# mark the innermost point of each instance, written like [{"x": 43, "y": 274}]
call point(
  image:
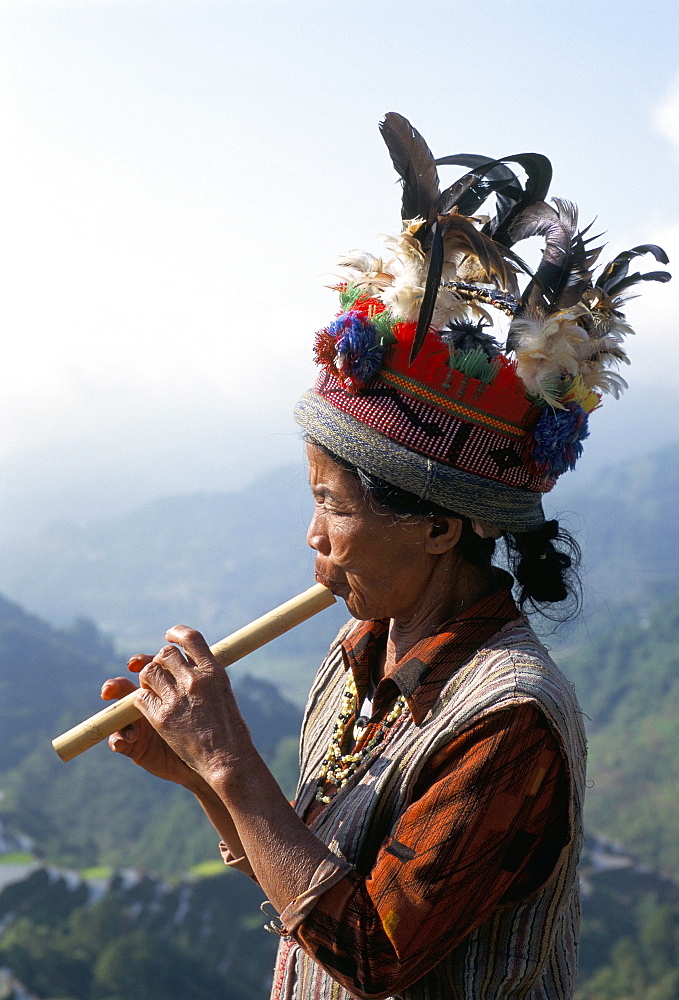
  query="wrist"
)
[
  {"x": 237, "y": 780},
  {"x": 194, "y": 783}
]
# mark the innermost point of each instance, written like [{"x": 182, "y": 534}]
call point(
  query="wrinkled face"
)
[{"x": 376, "y": 562}]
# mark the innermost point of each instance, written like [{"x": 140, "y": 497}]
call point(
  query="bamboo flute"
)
[{"x": 245, "y": 640}]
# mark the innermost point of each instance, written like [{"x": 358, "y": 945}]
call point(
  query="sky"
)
[{"x": 179, "y": 178}]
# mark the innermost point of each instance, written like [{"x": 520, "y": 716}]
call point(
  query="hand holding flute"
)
[
  {"x": 143, "y": 744},
  {"x": 189, "y": 721},
  {"x": 140, "y": 742},
  {"x": 239, "y": 644},
  {"x": 192, "y": 733}
]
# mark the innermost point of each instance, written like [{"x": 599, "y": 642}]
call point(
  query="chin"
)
[
  {"x": 362, "y": 612},
  {"x": 357, "y": 613}
]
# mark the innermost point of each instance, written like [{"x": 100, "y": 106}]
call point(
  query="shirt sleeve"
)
[{"x": 487, "y": 827}]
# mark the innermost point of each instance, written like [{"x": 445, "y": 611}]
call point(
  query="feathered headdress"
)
[{"x": 415, "y": 355}]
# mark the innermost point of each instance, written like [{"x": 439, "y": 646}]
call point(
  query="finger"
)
[
  {"x": 193, "y": 643},
  {"x": 157, "y": 676},
  {"x": 124, "y": 740},
  {"x": 150, "y": 703},
  {"x": 135, "y": 663},
  {"x": 116, "y": 687}
]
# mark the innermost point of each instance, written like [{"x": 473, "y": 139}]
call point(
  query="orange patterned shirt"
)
[{"x": 486, "y": 826}]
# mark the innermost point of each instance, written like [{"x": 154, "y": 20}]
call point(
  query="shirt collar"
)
[{"x": 422, "y": 672}]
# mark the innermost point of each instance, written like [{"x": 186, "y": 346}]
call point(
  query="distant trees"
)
[
  {"x": 72, "y": 962},
  {"x": 193, "y": 941},
  {"x": 643, "y": 966},
  {"x": 187, "y": 939},
  {"x": 627, "y": 680}
]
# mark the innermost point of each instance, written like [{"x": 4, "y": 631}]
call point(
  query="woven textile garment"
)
[{"x": 525, "y": 950}]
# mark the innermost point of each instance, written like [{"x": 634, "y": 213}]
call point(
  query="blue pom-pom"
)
[
  {"x": 558, "y": 437},
  {"x": 358, "y": 352}
]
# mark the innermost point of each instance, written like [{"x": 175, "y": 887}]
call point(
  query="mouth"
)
[{"x": 340, "y": 588}]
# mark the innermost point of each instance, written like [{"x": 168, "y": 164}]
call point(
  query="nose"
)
[{"x": 316, "y": 536}]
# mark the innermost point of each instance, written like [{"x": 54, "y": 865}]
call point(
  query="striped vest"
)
[{"x": 525, "y": 950}]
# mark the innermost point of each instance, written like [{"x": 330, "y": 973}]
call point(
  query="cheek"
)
[
  {"x": 372, "y": 572},
  {"x": 345, "y": 547}
]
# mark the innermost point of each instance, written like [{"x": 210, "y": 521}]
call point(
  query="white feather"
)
[{"x": 546, "y": 349}]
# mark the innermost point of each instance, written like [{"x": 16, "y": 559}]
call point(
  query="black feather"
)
[
  {"x": 487, "y": 176},
  {"x": 541, "y": 219},
  {"x": 632, "y": 279},
  {"x": 612, "y": 277},
  {"x": 565, "y": 270},
  {"x": 431, "y": 291},
  {"x": 538, "y": 178},
  {"x": 574, "y": 284},
  {"x": 468, "y": 193},
  {"x": 415, "y": 165}
]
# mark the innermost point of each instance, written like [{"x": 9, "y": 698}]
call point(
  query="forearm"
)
[
  {"x": 189, "y": 702},
  {"x": 285, "y": 856},
  {"x": 216, "y": 811}
]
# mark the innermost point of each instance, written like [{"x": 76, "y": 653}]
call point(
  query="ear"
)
[{"x": 443, "y": 534}]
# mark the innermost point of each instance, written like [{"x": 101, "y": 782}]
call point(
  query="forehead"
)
[{"x": 331, "y": 478}]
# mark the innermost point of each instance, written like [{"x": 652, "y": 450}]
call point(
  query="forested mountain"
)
[
  {"x": 99, "y": 808},
  {"x": 107, "y": 937},
  {"x": 133, "y": 936},
  {"x": 216, "y": 561},
  {"x": 627, "y": 680},
  {"x": 199, "y": 559},
  {"x": 191, "y": 930},
  {"x": 629, "y": 946},
  {"x": 625, "y": 518},
  {"x": 213, "y": 561}
]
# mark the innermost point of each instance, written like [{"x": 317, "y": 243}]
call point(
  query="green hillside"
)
[
  {"x": 625, "y": 520},
  {"x": 132, "y": 936},
  {"x": 627, "y": 680},
  {"x": 216, "y": 561},
  {"x": 114, "y": 939},
  {"x": 198, "y": 559},
  {"x": 135, "y": 937},
  {"x": 629, "y": 946},
  {"x": 100, "y": 808}
]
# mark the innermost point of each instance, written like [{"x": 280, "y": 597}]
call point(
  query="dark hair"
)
[{"x": 544, "y": 562}]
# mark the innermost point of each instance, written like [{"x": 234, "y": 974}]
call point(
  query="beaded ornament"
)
[{"x": 337, "y": 768}]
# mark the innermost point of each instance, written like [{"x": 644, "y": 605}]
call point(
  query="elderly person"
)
[{"x": 433, "y": 845}]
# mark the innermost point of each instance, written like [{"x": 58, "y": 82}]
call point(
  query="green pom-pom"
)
[
  {"x": 475, "y": 364},
  {"x": 383, "y": 323},
  {"x": 349, "y": 297}
]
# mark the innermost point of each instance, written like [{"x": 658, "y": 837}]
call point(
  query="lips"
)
[{"x": 340, "y": 588}]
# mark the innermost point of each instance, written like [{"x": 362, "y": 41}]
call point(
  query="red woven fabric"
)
[{"x": 460, "y": 435}]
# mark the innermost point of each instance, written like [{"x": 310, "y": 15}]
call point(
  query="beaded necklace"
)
[{"x": 337, "y": 767}]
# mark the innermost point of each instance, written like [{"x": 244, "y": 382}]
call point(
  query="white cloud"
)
[
  {"x": 651, "y": 315},
  {"x": 666, "y": 114},
  {"x": 650, "y": 309}
]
